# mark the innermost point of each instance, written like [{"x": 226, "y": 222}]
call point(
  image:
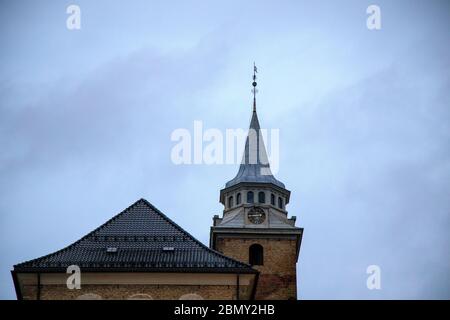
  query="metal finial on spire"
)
[{"x": 254, "y": 90}]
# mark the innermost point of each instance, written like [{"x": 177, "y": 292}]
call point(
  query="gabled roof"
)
[
  {"x": 140, "y": 238},
  {"x": 255, "y": 165}
]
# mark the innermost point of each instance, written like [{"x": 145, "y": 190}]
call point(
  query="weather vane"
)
[{"x": 254, "y": 90}]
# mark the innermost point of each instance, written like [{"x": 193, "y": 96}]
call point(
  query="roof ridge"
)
[{"x": 193, "y": 238}]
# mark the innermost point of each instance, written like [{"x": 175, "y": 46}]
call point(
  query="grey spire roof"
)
[
  {"x": 140, "y": 238},
  {"x": 255, "y": 165}
]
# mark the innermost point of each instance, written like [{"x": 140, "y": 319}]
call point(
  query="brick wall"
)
[
  {"x": 278, "y": 274},
  {"x": 120, "y": 292}
]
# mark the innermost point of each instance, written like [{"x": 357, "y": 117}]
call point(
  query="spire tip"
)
[{"x": 254, "y": 84}]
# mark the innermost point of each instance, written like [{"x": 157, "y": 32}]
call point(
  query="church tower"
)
[{"x": 255, "y": 227}]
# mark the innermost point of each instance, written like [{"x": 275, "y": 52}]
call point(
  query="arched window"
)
[
  {"x": 191, "y": 296},
  {"x": 140, "y": 296},
  {"x": 230, "y": 201},
  {"x": 272, "y": 199},
  {"x": 238, "y": 198},
  {"x": 89, "y": 296},
  {"x": 250, "y": 197},
  {"x": 261, "y": 197},
  {"x": 280, "y": 203},
  {"x": 256, "y": 255}
]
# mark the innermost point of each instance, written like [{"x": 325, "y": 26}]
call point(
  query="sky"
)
[{"x": 86, "y": 118}]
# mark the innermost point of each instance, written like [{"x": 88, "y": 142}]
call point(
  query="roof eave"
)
[
  {"x": 136, "y": 269},
  {"x": 255, "y": 184}
]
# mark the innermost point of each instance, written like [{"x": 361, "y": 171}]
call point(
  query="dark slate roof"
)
[
  {"x": 143, "y": 236},
  {"x": 255, "y": 165}
]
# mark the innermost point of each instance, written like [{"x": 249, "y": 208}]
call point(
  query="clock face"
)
[{"x": 256, "y": 215}]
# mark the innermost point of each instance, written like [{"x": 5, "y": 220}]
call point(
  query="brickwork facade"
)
[
  {"x": 116, "y": 286},
  {"x": 277, "y": 278},
  {"x": 122, "y": 292}
]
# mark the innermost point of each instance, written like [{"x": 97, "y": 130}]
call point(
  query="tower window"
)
[
  {"x": 280, "y": 203},
  {"x": 256, "y": 255},
  {"x": 238, "y": 198},
  {"x": 261, "y": 197},
  {"x": 230, "y": 202},
  {"x": 272, "y": 199},
  {"x": 250, "y": 197}
]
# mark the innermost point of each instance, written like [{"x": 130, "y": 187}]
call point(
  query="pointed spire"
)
[
  {"x": 254, "y": 84},
  {"x": 255, "y": 165}
]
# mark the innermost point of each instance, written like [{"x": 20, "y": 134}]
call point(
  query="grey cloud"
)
[{"x": 363, "y": 119}]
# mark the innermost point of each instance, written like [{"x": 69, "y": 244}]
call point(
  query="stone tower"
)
[{"x": 255, "y": 227}]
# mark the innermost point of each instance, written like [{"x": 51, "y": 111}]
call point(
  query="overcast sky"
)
[{"x": 86, "y": 118}]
